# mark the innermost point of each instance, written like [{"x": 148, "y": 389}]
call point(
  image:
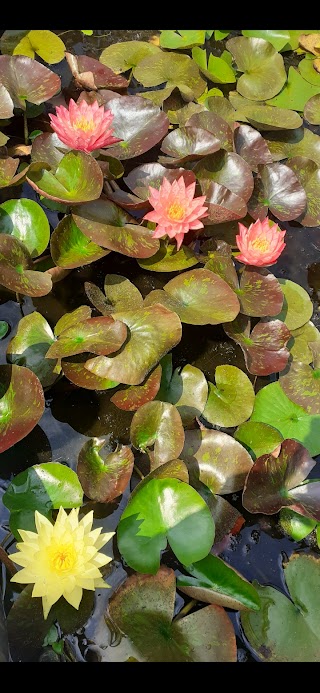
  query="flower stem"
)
[
  {"x": 25, "y": 128},
  {"x": 137, "y": 470},
  {"x": 185, "y": 610}
]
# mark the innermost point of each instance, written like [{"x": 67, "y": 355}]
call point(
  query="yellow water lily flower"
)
[{"x": 61, "y": 559}]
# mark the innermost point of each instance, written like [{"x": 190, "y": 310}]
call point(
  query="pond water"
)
[{"x": 73, "y": 415}]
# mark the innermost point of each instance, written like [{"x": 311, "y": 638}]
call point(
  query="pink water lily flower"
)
[
  {"x": 176, "y": 210},
  {"x": 84, "y": 126},
  {"x": 260, "y": 244}
]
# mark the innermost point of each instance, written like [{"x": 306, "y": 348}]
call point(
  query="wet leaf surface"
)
[
  {"x": 175, "y": 69},
  {"x": 211, "y": 121},
  {"x": 264, "y": 349},
  {"x": 188, "y": 391},
  {"x": 278, "y": 189},
  {"x": 27, "y": 80},
  {"x": 25, "y": 219},
  {"x": 22, "y": 404},
  {"x": 258, "y": 438},
  {"x": 158, "y": 425},
  {"x": 78, "y": 178},
  {"x": 29, "y": 347},
  {"x": 138, "y": 123},
  {"x": 230, "y": 399},
  {"x": 71, "y": 248},
  {"x": 104, "y": 478}
]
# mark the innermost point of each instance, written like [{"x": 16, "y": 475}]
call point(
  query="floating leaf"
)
[
  {"x": 269, "y": 117},
  {"x": 300, "y": 344},
  {"x": 272, "y": 406},
  {"x": 216, "y": 459},
  {"x": 251, "y": 146},
  {"x": 312, "y": 110},
  {"x": 215, "y": 69},
  {"x": 45, "y": 43},
  {"x": 188, "y": 390},
  {"x": 71, "y": 248},
  {"x": 8, "y": 175},
  {"x": 223, "y": 205},
  {"x": 49, "y": 149},
  {"x": 181, "y": 115},
  {"x": 16, "y": 269},
  {"x": 297, "y": 306},
  {"x": 26, "y": 220},
  {"x": 169, "y": 259},
  {"x": 230, "y": 400},
  {"x": 141, "y": 177},
  {"x": 263, "y": 68},
  {"x": 260, "y": 293},
  {"x": 181, "y": 38},
  {"x": 214, "y": 123},
  {"x": 227, "y": 519},
  {"x": 6, "y": 103},
  {"x": 308, "y": 174},
  {"x": 187, "y": 144},
  {"x": 308, "y": 72},
  {"x": 295, "y": 93},
  {"x": 277, "y": 37},
  {"x": 126, "y": 55},
  {"x": 215, "y": 582},
  {"x": 152, "y": 333},
  {"x": 296, "y": 525},
  {"x": 264, "y": 350},
  {"x": 149, "y": 521},
  {"x": 301, "y": 384},
  {"x": 258, "y": 438},
  {"x": 27, "y": 80},
  {"x": 102, "y": 335},
  {"x": 72, "y": 319},
  {"x": 176, "y": 70},
  {"x": 104, "y": 479},
  {"x": 277, "y": 188},
  {"x": 270, "y": 630},
  {"x": 229, "y": 170},
  {"x": 78, "y": 178},
  {"x": 91, "y": 74},
  {"x": 4, "y": 328},
  {"x": 30, "y": 345},
  {"x": 300, "y": 142},
  {"x": 18, "y": 387},
  {"x": 74, "y": 369},
  {"x": 135, "y": 396},
  {"x": 143, "y": 609},
  {"x": 158, "y": 424}
]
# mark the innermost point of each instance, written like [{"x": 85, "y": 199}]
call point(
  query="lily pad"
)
[
  {"x": 264, "y": 350},
  {"x": 297, "y": 306},
  {"x": 230, "y": 400},
  {"x": 215, "y": 69},
  {"x": 308, "y": 174},
  {"x": 74, "y": 369},
  {"x": 8, "y": 174},
  {"x": 143, "y": 609},
  {"x": 135, "y": 396},
  {"x": 30, "y": 345},
  {"x": 126, "y": 55},
  {"x": 229, "y": 170},
  {"x": 270, "y": 630},
  {"x": 279, "y": 38},
  {"x": 70, "y": 247},
  {"x": 215, "y": 582},
  {"x": 104, "y": 479},
  {"x": 92, "y": 74},
  {"x": 182, "y": 115},
  {"x": 277, "y": 188},
  {"x": 216, "y": 459},
  {"x": 300, "y": 142},
  {"x": 223, "y": 205},
  {"x": 258, "y": 438},
  {"x": 16, "y": 271},
  {"x": 102, "y": 335},
  {"x": 158, "y": 424},
  {"x": 252, "y": 147},
  {"x": 78, "y": 178},
  {"x": 176, "y": 70},
  {"x": 308, "y": 71},
  {"x": 188, "y": 391},
  {"x": 169, "y": 259},
  {"x": 260, "y": 293},
  {"x": 272, "y": 406},
  {"x": 301, "y": 384},
  {"x": 72, "y": 319},
  {"x": 296, "y": 525},
  {"x": 6, "y": 103},
  {"x": 152, "y": 333},
  {"x": 263, "y": 68},
  {"x": 26, "y": 220},
  {"x": 49, "y": 149},
  {"x": 182, "y": 38},
  {"x": 42, "y": 42},
  {"x": 300, "y": 344},
  {"x": 199, "y": 297},
  {"x": 18, "y": 387},
  {"x": 212, "y": 122},
  {"x": 312, "y": 110},
  {"x": 141, "y": 177},
  {"x": 27, "y": 80},
  {"x": 295, "y": 93},
  {"x": 187, "y": 144},
  {"x": 149, "y": 521}
]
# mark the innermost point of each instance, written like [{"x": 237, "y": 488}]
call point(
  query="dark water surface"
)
[{"x": 73, "y": 415}]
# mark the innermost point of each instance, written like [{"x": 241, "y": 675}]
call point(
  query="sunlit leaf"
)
[
  {"x": 71, "y": 248},
  {"x": 25, "y": 220},
  {"x": 78, "y": 178},
  {"x": 158, "y": 424},
  {"x": 215, "y": 124},
  {"x": 227, "y": 169},
  {"x": 45, "y": 43},
  {"x": 301, "y": 384},
  {"x": 169, "y": 259},
  {"x": 181, "y": 38},
  {"x": 135, "y": 396},
  {"x": 74, "y": 369},
  {"x": 263, "y": 68},
  {"x": 298, "y": 526},
  {"x": 297, "y": 305},
  {"x": 188, "y": 391},
  {"x": 277, "y": 188},
  {"x": 29, "y": 346},
  {"x": 102, "y": 335},
  {"x": 104, "y": 478},
  {"x": 264, "y": 349},
  {"x": 215, "y": 69},
  {"x": 295, "y": 93},
  {"x": 279, "y": 38},
  {"x": 125, "y": 55},
  {"x": 230, "y": 399},
  {"x": 89, "y": 73},
  {"x": 258, "y": 438},
  {"x": 252, "y": 147},
  {"x": 16, "y": 271},
  {"x": 300, "y": 343},
  {"x": 27, "y": 80},
  {"x": 188, "y": 143},
  {"x": 138, "y": 123},
  {"x": 18, "y": 387},
  {"x": 175, "y": 69}
]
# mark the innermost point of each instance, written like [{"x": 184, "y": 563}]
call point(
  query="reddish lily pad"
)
[
  {"x": 71, "y": 248},
  {"x": 252, "y": 147},
  {"x": 143, "y": 609},
  {"x": 263, "y": 68},
  {"x": 216, "y": 125},
  {"x": 78, "y": 178},
  {"x": 199, "y": 297},
  {"x": 152, "y": 333},
  {"x": 92, "y": 74},
  {"x": 277, "y": 188},
  {"x": 188, "y": 391},
  {"x": 99, "y": 335},
  {"x": 175, "y": 69},
  {"x": 308, "y": 173},
  {"x": 264, "y": 350},
  {"x": 230, "y": 400},
  {"x": 223, "y": 205},
  {"x": 111, "y": 227},
  {"x": 74, "y": 369},
  {"x": 6, "y": 103},
  {"x": 312, "y": 110},
  {"x": 258, "y": 438},
  {"x": 135, "y": 396},
  {"x": 277, "y": 482},
  {"x": 48, "y": 148},
  {"x": 297, "y": 306},
  {"x": 8, "y": 168},
  {"x": 139, "y": 179},
  {"x": 187, "y": 144},
  {"x": 104, "y": 479},
  {"x": 126, "y": 55},
  {"x": 169, "y": 259},
  {"x": 301, "y": 384},
  {"x": 29, "y": 346},
  {"x": 26, "y": 220},
  {"x": 18, "y": 387},
  {"x": 227, "y": 519},
  {"x": 72, "y": 319},
  {"x": 138, "y": 123},
  {"x": 158, "y": 424},
  {"x": 229, "y": 170},
  {"x": 27, "y": 80},
  {"x": 216, "y": 459},
  {"x": 16, "y": 271}
]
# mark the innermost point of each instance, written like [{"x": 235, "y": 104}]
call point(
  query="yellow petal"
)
[
  {"x": 49, "y": 599},
  {"x": 103, "y": 539},
  {"x": 100, "y": 559},
  {"x": 74, "y": 597},
  {"x": 87, "y": 521},
  {"x": 42, "y": 522},
  {"x": 40, "y": 589},
  {"x": 24, "y": 576}
]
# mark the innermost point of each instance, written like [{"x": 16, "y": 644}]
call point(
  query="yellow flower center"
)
[
  {"x": 261, "y": 244},
  {"x": 84, "y": 124},
  {"x": 176, "y": 211},
  {"x": 62, "y": 558}
]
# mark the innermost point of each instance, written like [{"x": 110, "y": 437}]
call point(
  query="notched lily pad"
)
[
  {"x": 75, "y": 370},
  {"x": 71, "y": 248},
  {"x": 264, "y": 349},
  {"x": 303, "y": 339},
  {"x": 92, "y": 74},
  {"x": 102, "y": 335},
  {"x": 297, "y": 306},
  {"x": 104, "y": 479},
  {"x": 126, "y": 55},
  {"x": 296, "y": 92},
  {"x": 217, "y": 125},
  {"x": 217, "y": 70},
  {"x": 18, "y": 388},
  {"x": 78, "y": 178},
  {"x": 301, "y": 383},
  {"x": 27, "y": 80},
  {"x": 252, "y": 147},
  {"x": 158, "y": 425},
  {"x": 8, "y": 172},
  {"x": 176, "y": 70},
  {"x": 16, "y": 271},
  {"x": 138, "y": 123},
  {"x": 258, "y": 438},
  {"x": 223, "y": 205},
  {"x": 188, "y": 144},
  {"x": 226, "y": 169},
  {"x": 29, "y": 346},
  {"x": 135, "y": 396},
  {"x": 277, "y": 188},
  {"x": 264, "y": 117},
  {"x": 169, "y": 259},
  {"x": 263, "y": 68},
  {"x": 230, "y": 400},
  {"x": 188, "y": 391}
]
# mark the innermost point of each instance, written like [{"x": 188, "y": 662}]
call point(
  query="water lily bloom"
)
[
  {"x": 84, "y": 126},
  {"x": 61, "y": 559},
  {"x": 176, "y": 210},
  {"x": 260, "y": 244}
]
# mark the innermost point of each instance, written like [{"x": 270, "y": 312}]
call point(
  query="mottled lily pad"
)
[
  {"x": 300, "y": 142},
  {"x": 308, "y": 173},
  {"x": 258, "y": 438},
  {"x": 74, "y": 369},
  {"x": 277, "y": 188},
  {"x": 30, "y": 345},
  {"x": 135, "y": 396},
  {"x": 260, "y": 293},
  {"x": 312, "y": 110},
  {"x": 263, "y": 68},
  {"x": 71, "y": 248},
  {"x": 72, "y": 319},
  {"x": 265, "y": 117},
  {"x": 295, "y": 93},
  {"x": 78, "y": 178},
  {"x": 215, "y": 69},
  {"x": 27, "y": 80},
  {"x": 16, "y": 271},
  {"x": 252, "y": 147},
  {"x": 188, "y": 391},
  {"x": 102, "y": 335},
  {"x": 230, "y": 400},
  {"x": 49, "y": 149},
  {"x": 138, "y": 123},
  {"x": 169, "y": 259},
  {"x": 8, "y": 171},
  {"x": 92, "y": 74},
  {"x": 18, "y": 387},
  {"x": 214, "y": 123},
  {"x": 25, "y": 220},
  {"x": 187, "y": 144},
  {"x": 223, "y": 205},
  {"x": 158, "y": 424},
  {"x": 301, "y": 383},
  {"x": 104, "y": 479},
  {"x": 297, "y": 305},
  {"x": 126, "y": 55},
  {"x": 264, "y": 350},
  {"x": 6, "y": 103},
  {"x": 301, "y": 340},
  {"x": 176, "y": 70},
  {"x": 229, "y": 170}
]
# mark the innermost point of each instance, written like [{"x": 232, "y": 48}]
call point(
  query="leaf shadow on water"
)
[{"x": 33, "y": 449}]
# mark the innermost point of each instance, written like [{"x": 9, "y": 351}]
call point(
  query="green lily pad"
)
[
  {"x": 279, "y": 38},
  {"x": 102, "y": 335},
  {"x": 215, "y": 582},
  {"x": 301, "y": 384},
  {"x": 169, "y": 259},
  {"x": 300, "y": 343},
  {"x": 8, "y": 174},
  {"x": 296, "y": 525},
  {"x": 16, "y": 271},
  {"x": 216, "y": 459},
  {"x": 152, "y": 333},
  {"x": 72, "y": 319},
  {"x": 182, "y": 38},
  {"x": 89, "y": 73},
  {"x": 308, "y": 72},
  {"x": 49, "y": 149},
  {"x": 215, "y": 69},
  {"x": 188, "y": 144},
  {"x": 215, "y": 124},
  {"x": 44, "y": 43},
  {"x": 252, "y": 147},
  {"x": 295, "y": 93},
  {"x": 71, "y": 248},
  {"x": 230, "y": 400},
  {"x": 143, "y": 609},
  {"x": 126, "y": 55},
  {"x": 148, "y": 522},
  {"x": 18, "y": 386},
  {"x": 312, "y": 110},
  {"x": 188, "y": 391},
  {"x": 264, "y": 349},
  {"x": 175, "y": 69},
  {"x": 229, "y": 170},
  {"x": 270, "y": 630},
  {"x": 111, "y": 227},
  {"x": 258, "y": 438},
  {"x": 300, "y": 142},
  {"x": 272, "y": 406},
  {"x": 104, "y": 479},
  {"x": 135, "y": 396},
  {"x": 158, "y": 424},
  {"x": 138, "y": 123},
  {"x": 199, "y": 297},
  {"x": 78, "y": 178},
  {"x": 27, "y": 80},
  {"x": 277, "y": 188},
  {"x": 30, "y": 345},
  {"x": 297, "y": 306},
  {"x": 308, "y": 174},
  {"x": 180, "y": 116},
  {"x": 269, "y": 117},
  {"x": 263, "y": 68},
  {"x": 4, "y": 329},
  {"x": 74, "y": 369},
  {"x": 26, "y": 220}
]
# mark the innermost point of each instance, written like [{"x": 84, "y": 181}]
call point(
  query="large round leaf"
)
[
  {"x": 258, "y": 438},
  {"x": 199, "y": 297},
  {"x": 26, "y": 220},
  {"x": 223, "y": 205},
  {"x": 297, "y": 306},
  {"x": 264, "y": 350},
  {"x": 135, "y": 396},
  {"x": 27, "y": 80},
  {"x": 104, "y": 479},
  {"x": 300, "y": 344},
  {"x": 8, "y": 172},
  {"x": 230, "y": 400},
  {"x": 217, "y": 70},
  {"x": 6, "y": 106},
  {"x": 272, "y": 406},
  {"x": 89, "y": 73},
  {"x": 278, "y": 188},
  {"x": 139, "y": 179},
  {"x": 301, "y": 384},
  {"x": 169, "y": 259},
  {"x": 120, "y": 294},
  {"x": 158, "y": 424},
  {"x": 188, "y": 390},
  {"x": 295, "y": 93},
  {"x": 300, "y": 142},
  {"x": 125, "y": 55},
  {"x": 278, "y": 37},
  {"x": 226, "y": 169},
  {"x": 269, "y": 117},
  {"x": 78, "y": 178},
  {"x": 251, "y": 146},
  {"x": 263, "y": 68},
  {"x": 49, "y": 149},
  {"x": 45, "y": 43},
  {"x": 74, "y": 369},
  {"x": 164, "y": 510},
  {"x": 16, "y": 271},
  {"x": 260, "y": 293},
  {"x": 71, "y": 248},
  {"x": 216, "y": 124},
  {"x": 175, "y": 69},
  {"x": 152, "y": 333},
  {"x": 143, "y": 609},
  {"x": 188, "y": 143},
  {"x": 18, "y": 388},
  {"x": 285, "y": 630},
  {"x": 30, "y": 345},
  {"x": 181, "y": 38},
  {"x": 102, "y": 335},
  {"x": 308, "y": 174},
  {"x": 216, "y": 459},
  {"x": 308, "y": 71}
]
